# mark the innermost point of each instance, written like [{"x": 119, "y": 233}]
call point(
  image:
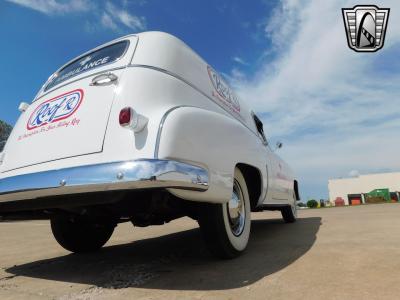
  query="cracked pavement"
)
[{"x": 334, "y": 253}]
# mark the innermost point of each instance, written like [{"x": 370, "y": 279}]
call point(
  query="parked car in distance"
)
[{"x": 141, "y": 129}]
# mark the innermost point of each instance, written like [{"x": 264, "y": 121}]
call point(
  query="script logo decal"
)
[
  {"x": 224, "y": 92},
  {"x": 55, "y": 109}
]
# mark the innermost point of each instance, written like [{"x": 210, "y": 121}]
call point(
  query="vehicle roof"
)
[
  {"x": 182, "y": 61},
  {"x": 178, "y": 59}
]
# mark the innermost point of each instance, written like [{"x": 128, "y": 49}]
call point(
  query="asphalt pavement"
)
[{"x": 331, "y": 253}]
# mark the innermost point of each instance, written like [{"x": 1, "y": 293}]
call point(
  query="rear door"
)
[
  {"x": 277, "y": 183},
  {"x": 71, "y": 116}
]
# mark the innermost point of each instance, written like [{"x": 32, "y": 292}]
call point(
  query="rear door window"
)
[
  {"x": 260, "y": 128},
  {"x": 95, "y": 59}
]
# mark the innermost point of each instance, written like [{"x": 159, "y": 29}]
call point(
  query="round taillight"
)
[
  {"x": 130, "y": 119},
  {"x": 125, "y": 116}
]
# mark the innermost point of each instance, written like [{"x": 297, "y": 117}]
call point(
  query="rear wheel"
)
[
  {"x": 81, "y": 236},
  {"x": 226, "y": 227},
  {"x": 289, "y": 213}
]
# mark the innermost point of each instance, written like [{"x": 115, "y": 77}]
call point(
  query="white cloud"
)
[
  {"x": 237, "y": 75},
  {"x": 52, "y": 7},
  {"x": 124, "y": 17},
  {"x": 333, "y": 107},
  {"x": 136, "y": 2},
  {"x": 110, "y": 15},
  {"x": 107, "y": 22},
  {"x": 284, "y": 19},
  {"x": 239, "y": 60}
]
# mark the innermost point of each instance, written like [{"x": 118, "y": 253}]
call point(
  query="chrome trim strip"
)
[
  {"x": 70, "y": 61},
  {"x": 194, "y": 87},
  {"x": 77, "y": 79},
  {"x": 267, "y": 187},
  {"x": 121, "y": 39},
  {"x": 124, "y": 175},
  {"x": 45, "y": 90},
  {"x": 173, "y": 75},
  {"x": 161, "y": 126}
]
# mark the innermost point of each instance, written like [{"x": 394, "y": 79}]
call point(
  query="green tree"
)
[
  {"x": 5, "y": 130},
  {"x": 312, "y": 203}
]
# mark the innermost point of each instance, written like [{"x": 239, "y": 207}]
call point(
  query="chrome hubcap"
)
[{"x": 236, "y": 210}]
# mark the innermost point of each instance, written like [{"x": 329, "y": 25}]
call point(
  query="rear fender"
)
[{"x": 213, "y": 141}]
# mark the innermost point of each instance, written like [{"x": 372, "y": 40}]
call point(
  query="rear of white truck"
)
[
  {"x": 131, "y": 131},
  {"x": 82, "y": 135},
  {"x": 87, "y": 142}
]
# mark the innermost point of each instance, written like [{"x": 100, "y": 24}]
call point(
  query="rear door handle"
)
[{"x": 104, "y": 79}]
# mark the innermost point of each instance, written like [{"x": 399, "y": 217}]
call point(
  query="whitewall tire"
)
[{"x": 226, "y": 227}]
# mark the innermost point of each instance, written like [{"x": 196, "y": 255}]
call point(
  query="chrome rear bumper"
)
[{"x": 126, "y": 175}]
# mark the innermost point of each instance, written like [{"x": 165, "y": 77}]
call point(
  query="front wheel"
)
[
  {"x": 226, "y": 227},
  {"x": 81, "y": 236}
]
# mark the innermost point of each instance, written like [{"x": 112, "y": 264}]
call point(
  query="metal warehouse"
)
[{"x": 372, "y": 188}]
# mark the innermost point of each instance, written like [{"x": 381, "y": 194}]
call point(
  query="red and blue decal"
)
[{"x": 55, "y": 109}]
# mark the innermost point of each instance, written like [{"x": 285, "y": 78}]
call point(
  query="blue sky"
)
[
  {"x": 38, "y": 41},
  {"x": 336, "y": 111}
]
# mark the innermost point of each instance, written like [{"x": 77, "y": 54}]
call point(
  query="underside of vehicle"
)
[
  {"x": 84, "y": 222},
  {"x": 141, "y": 207}
]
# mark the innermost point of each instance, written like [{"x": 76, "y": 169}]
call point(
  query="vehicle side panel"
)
[
  {"x": 281, "y": 180},
  {"x": 167, "y": 53},
  {"x": 219, "y": 142}
]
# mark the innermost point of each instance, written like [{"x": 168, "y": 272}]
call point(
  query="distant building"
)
[{"x": 365, "y": 188}]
